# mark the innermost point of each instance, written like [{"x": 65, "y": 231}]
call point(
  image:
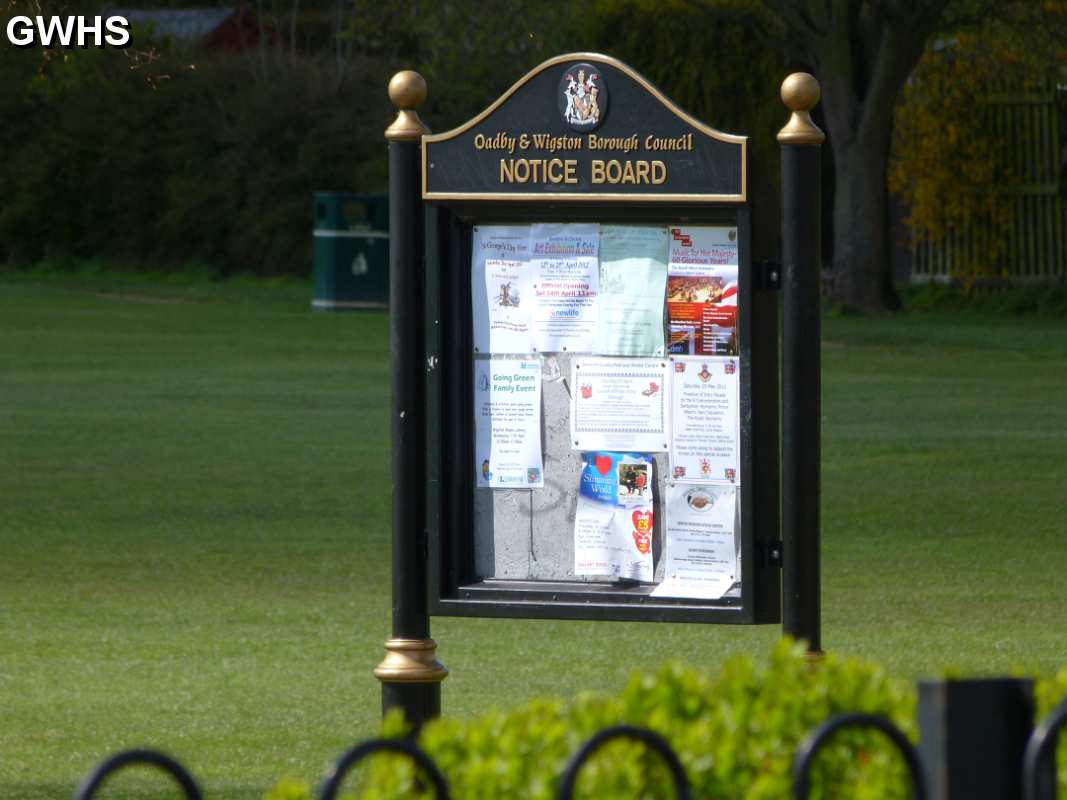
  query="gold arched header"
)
[{"x": 707, "y": 130}]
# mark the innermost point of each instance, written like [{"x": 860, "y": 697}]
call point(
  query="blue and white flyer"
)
[
  {"x": 701, "y": 548},
  {"x": 566, "y": 274},
  {"x": 614, "y": 520},
  {"x": 507, "y": 423},
  {"x": 501, "y": 289}
]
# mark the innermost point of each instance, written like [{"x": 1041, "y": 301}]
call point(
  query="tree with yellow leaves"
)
[{"x": 951, "y": 165}]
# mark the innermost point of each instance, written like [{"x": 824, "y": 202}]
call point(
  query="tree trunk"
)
[
  {"x": 859, "y": 124},
  {"x": 862, "y": 267},
  {"x": 864, "y": 52}
]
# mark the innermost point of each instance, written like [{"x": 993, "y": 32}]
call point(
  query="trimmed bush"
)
[{"x": 735, "y": 732}]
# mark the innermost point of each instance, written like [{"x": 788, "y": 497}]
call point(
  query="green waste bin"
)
[{"x": 351, "y": 236}]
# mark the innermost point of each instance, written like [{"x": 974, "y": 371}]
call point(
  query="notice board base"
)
[{"x": 590, "y": 601}]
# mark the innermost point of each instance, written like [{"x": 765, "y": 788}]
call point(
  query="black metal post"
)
[
  {"x": 973, "y": 735},
  {"x": 410, "y": 673},
  {"x": 801, "y": 264}
]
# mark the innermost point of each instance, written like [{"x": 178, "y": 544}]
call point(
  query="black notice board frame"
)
[{"x": 454, "y": 588}]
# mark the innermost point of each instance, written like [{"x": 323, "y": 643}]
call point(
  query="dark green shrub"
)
[
  {"x": 169, "y": 162},
  {"x": 735, "y": 733},
  {"x": 1046, "y": 300}
]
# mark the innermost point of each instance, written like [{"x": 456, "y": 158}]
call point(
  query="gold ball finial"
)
[
  {"x": 407, "y": 90},
  {"x": 800, "y": 93}
]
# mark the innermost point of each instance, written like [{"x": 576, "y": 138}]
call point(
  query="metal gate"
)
[{"x": 1027, "y": 125}]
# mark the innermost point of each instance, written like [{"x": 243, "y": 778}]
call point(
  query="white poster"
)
[
  {"x": 701, "y": 548},
  {"x": 633, "y": 278},
  {"x": 619, "y": 403},
  {"x": 501, "y": 289},
  {"x": 566, "y": 273},
  {"x": 614, "y": 520},
  {"x": 705, "y": 419},
  {"x": 507, "y": 422}
]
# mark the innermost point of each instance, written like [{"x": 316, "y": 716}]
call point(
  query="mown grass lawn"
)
[{"x": 194, "y": 527}]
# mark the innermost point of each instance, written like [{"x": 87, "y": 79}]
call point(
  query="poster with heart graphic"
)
[{"x": 615, "y": 517}]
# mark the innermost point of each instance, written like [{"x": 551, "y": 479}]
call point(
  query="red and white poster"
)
[{"x": 702, "y": 290}]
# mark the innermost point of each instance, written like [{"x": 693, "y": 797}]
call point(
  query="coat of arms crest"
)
[{"x": 583, "y": 97}]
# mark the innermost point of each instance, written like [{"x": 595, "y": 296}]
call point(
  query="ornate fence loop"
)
[
  {"x": 332, "y": 783},
  {"x": 650, "y": 739},
  {"x": 128, "y": 758},
  {"x": 817, "y": 739},
  {"x": 1039, "y": 761}
]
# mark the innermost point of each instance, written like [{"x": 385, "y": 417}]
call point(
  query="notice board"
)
[{"x": 602, "y": 377}]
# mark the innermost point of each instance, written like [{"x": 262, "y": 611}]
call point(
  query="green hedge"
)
[
  {"x": 735, "y": 732},
  {"x": 1043, "y": 300}
]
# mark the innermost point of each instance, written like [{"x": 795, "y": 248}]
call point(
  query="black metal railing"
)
[
  {"x": 1038, "y": 769},
  {"x": 1039, "y": 761},
  {"x": 92, "y": 782},
  {"x": 332, "y": 784},
  {"x": 809, "y": 749},
  {"x": 651, "y": 740}
]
